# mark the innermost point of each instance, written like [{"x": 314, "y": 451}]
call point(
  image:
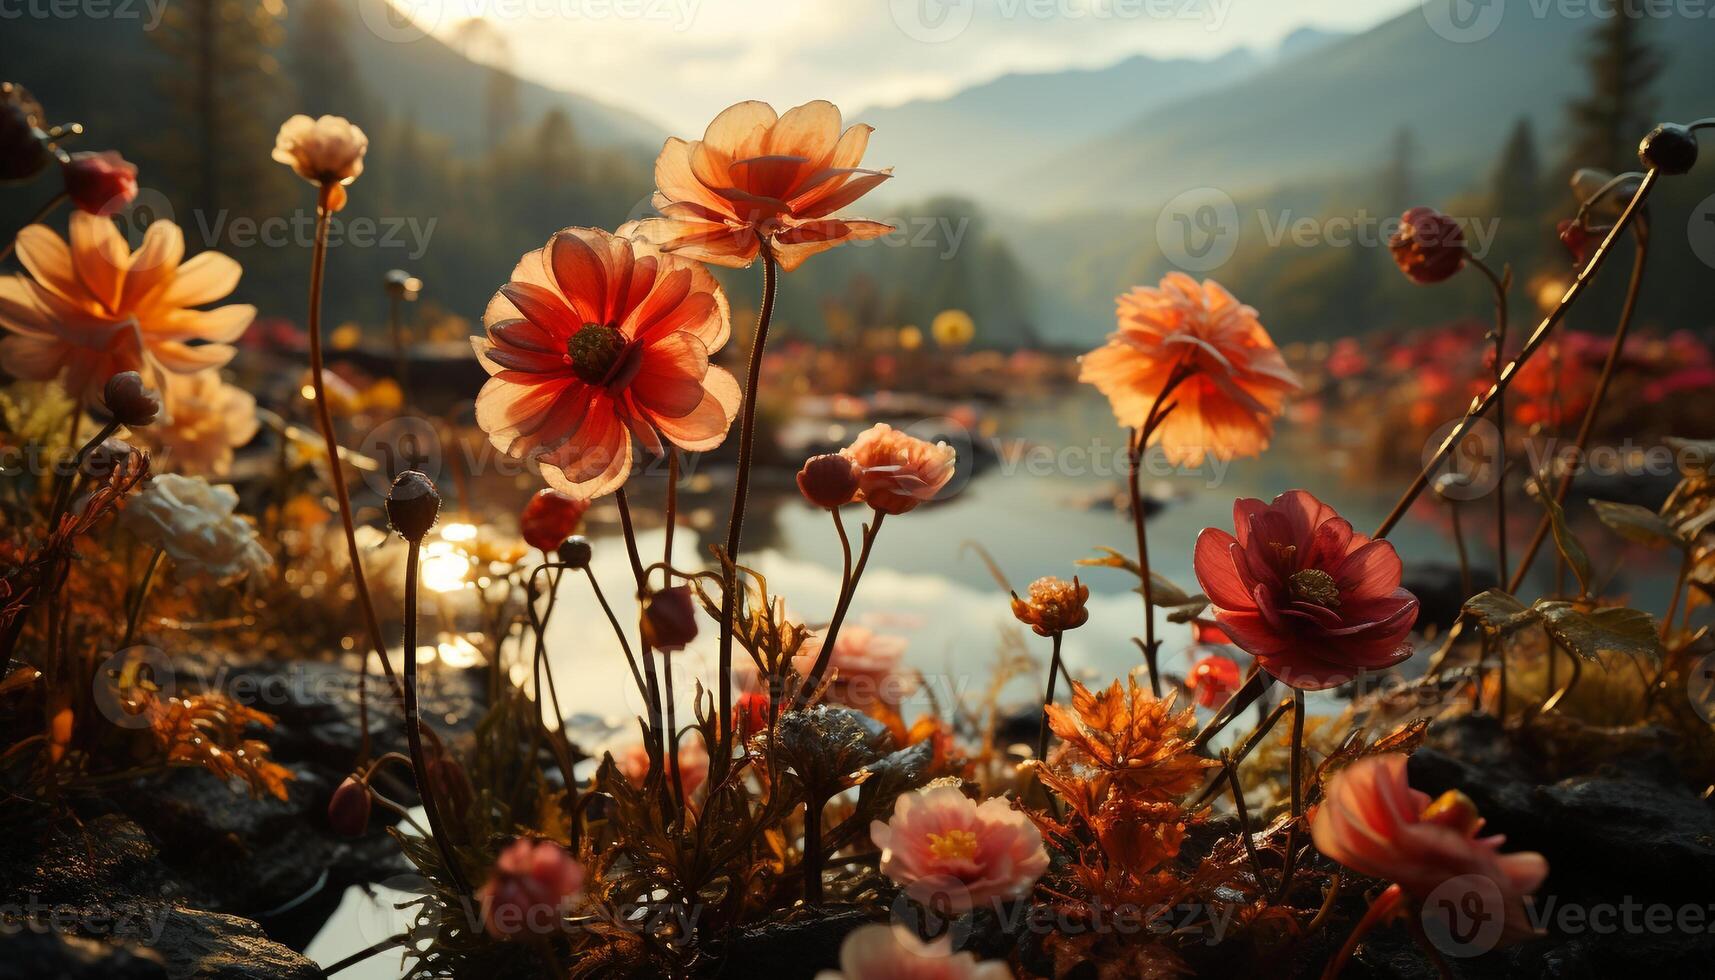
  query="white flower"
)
[
  {"x": 328, "y": 150},
  {"x": 206, "y": 420},
  {"x": 195, "y": 524}
]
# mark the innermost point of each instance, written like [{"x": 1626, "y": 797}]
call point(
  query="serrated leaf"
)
[
  {"x": 1567, "y": 544},
  {"x": 1499, "y": 612},
  {"x": 1589, "y": 634},
  {"x": 1635, "y": 523},
  {"x": 1164, "y": 591}
]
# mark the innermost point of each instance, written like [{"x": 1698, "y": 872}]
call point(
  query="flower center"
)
[
  {"x": 1315, "y": 585},
  {"x": 594, "y": 350},
  {"x": 954, "y": 845}
]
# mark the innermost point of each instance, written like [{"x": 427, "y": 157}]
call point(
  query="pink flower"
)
[
  {"x": 882, "y": 952},
  {"x": 941, "y": 844},
  {"x": 100, "y": 183},
  {"x": 1314, "y": 601},
  {"x": 530, "y": 890},
  {"x": 633, "y": 763},
  {"x": 867, "y": 665},
  {"x": 899, "y": 471},
  {"x": 1373, "y": 822},
  {"x": 596, "y": 341}
]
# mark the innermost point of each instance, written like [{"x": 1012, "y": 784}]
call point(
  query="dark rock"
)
[
  {"x": 796, "y": 948},
  {"x": 31, "y": 955},
  {"x": 1440, "y": 591}
]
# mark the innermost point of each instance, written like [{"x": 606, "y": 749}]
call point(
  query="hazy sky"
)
[{"x": 680, "y": 61}]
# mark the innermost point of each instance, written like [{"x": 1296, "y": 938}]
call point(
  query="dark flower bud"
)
[
  {"x": 348, "y": 810},
  {"x": 132, "y": 403},
  {"x": 23, "y": 145},
  {"x": 550, "y": 518},
  {"x": 100, "y": 183},
  {"x": 1669, "y": 148},
  {"x": 1429, "y": 246},
  {"x": 670, "y": 618},
  {"x": 575, "y": 551},
  {"x": 829, "y": 480},
  {"x": 412, "y": 505}
]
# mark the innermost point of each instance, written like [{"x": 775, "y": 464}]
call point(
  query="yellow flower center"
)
[
  {"x": 954, "y": 845},
  {"x": 1315, "y": 585},
  {"x": 594, "y": 350}
]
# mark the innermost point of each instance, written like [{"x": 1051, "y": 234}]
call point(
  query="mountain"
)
[{"x": 1331, "y": 111}]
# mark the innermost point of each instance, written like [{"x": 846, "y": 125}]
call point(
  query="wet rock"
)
[
  {"x": 31, "y": 955},
  {"x": 797, "y": 948}
]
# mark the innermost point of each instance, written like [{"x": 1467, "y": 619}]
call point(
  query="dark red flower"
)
[
  {"x": 1579, "y": 240},
  {"x": 670, "y": 618},
  {"x": 550, "y": 518},
  {"x": 1429, "y": 246},
  {"x": 100, "y": 183},
  {"x": 752, "y": 713},
  {"x": 829, "y": 480},
  {"x": 348, "y": 809},
  {"x": 1213, "y": 680},
  {"x": 1314, "y": 601}
]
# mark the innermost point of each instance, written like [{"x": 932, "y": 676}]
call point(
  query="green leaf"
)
[
  {"x": 1165, "y": 593},
  {"x": 1589, "y": 634},
  {"x": 1639, "y": 524},
  {"x": 1499, "y": 612},
  {"x": 1568, "y": 545}
]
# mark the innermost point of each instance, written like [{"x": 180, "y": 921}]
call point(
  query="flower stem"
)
[
  {"x": 1048, "y": 699},
  {"x": 1499, "y": 284},
  {"x": 143, "y": 585},
  {"x": 1140, "y": 443},
  {"x": 1296, "y": 774},
  {"x": 41, "y": 213},
  {"x": 413, "y": 725},
  {"x": 1535, "y": 341},
  {"x": 624, "y": 646},
  {"x": 1379, "y": 911},
  {"x": 827, "y": 652},
  {"x": 811, "y": 866},
  {"x": 741, "y": 489}
]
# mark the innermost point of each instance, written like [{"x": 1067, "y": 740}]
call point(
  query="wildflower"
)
[
  {"x": 1234, "y": 380},
  {"x": 1129, "y": 734},
  {"x": 99, "y": 183},
  {"x": 1373, "y": 822},
  {"x": 533, "y": 884},
  {"x": 1428, "y": 246},
  {"x": 207, "y": 421},
  {"x": 92, "y": 309},
  {"x": 896, "y": 471},
  {"x": 348, "y": 809},
  {"x": 866, "y": 664},
  {"x": 1314, "y": 601},
  {"x": 633, "y": 763},
  {"x": 1579, "y": 240},
  {"x": 941, "y": 844},
  {"x": 829, "y": 480},
  {"x": 1213, "y": 680},
  {"x": 751, "y": 713},
  {"x": 756, "y": 178},
  {"x": 550, "y": 518},
  {"x": 893, "y": 952},
  {"x": 195, "y": 524},
  {"x": 132, "y": 403},
  {"x": 327, "y": 152},
  {"x": 1055, "y": 605},
  {"x": 412, "y": 505},
  {"x": 670, "y": 618},
  {"x": 596, "y": 341}
]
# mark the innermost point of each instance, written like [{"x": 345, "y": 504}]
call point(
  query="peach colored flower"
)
[
  {"x": 941, "y": 844},
  {"x": 883, "y": 952},
  {"x": 757, "y": 177},
  {"x": 206, "y": 420},
  {"x": 1237, "y": 381},
  {"x": 899, "y": 471},
  {"x": 531, "y": 891},
  {"x": 1373, "y": 822},
  {"x": 595, "y": 341},
  {"x": 1055, "y": 605},
  {"x": 94, "y": 308},
  {"x": 328, "y": 150},
  {"x": 866, "y": 666},
  {"x": 1314, "y": 601},
  {"x": 633, "y": 763}
]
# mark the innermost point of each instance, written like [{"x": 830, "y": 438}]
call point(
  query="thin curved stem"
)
[
  {"x": 1537, "y": 337},
  {"x": 1140, "y": 443},
  {"x": 624, "y": 645},
  {"x": 1380, "y": 910},
  {"x": 136, "y": 611},
  {"x": 414, "y": 729},
  {"x": 1499, "y": 284},
  {"x": 37, "y": 218},
  {"x": 826, "y": 654},
  {"x": 741, "y": 490},
  {"x": 1048, "y": 699}
]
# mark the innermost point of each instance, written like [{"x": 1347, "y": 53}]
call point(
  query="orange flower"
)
[
  {"x": 596, "y": 340},
  {"x": 757, "y": 177},
  {"x": 1054, "y": 606},
  {"x": 1134, "y": 736},
  {"x": 1236, "y": 381},
  {"x": 898, "y": 471},
  {"x": 92, "y": 309}
]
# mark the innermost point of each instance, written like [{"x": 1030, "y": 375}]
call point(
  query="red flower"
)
[
  {"x": 829, "y": 480},
  {"x": 1429, "y": 246},
  {"x": 100, "y": 183},
  {"x": 1213, "y": 680},
  {"x": 550, "y": 518},
  {"x": 752, "y": 714},
  {"x": 532, "y": 888},
  {"x": 670, "y": 618},
  {"x": 1314, "y": 601}
]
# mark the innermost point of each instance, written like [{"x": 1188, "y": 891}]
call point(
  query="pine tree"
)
[
  {"x": 1623, "y": 67},
  {"x": 321, "y": 63},
  {"x": 1516, "y": 200}
]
